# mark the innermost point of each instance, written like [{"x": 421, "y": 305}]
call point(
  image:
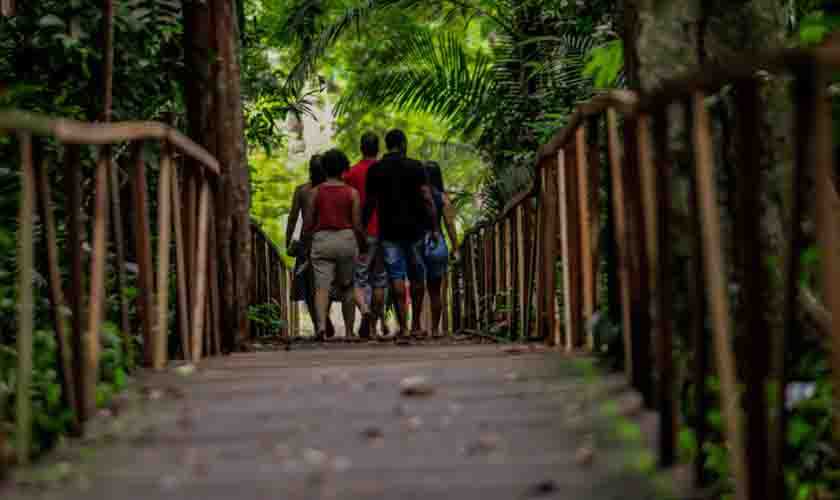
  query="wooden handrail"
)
[{"x": 76, "y": 132}]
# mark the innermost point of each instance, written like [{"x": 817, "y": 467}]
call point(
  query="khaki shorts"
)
[{"x": 333, "y": 258}]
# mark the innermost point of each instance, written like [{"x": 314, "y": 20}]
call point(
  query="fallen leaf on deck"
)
[{"x": 416, "y": 386}]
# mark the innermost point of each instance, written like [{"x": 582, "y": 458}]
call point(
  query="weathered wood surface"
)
[{"x": 331, "y": 422}]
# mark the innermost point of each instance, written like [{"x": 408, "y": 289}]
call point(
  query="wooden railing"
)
[
  {"x": 553, "y": 228},
  {"x": 271, "y": 287},
  {"x": 186, "y": 197}
]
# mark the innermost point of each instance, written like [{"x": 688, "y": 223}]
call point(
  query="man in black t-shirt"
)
[{"x": 397, "y": 187}]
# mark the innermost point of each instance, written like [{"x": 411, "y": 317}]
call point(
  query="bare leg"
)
[
  {"x": 400, "y": 296},
  {"x": 348, "y": 311},
  {"x": 322, "y": 306},
  {"x": 418, "y": 292},
  {"x": 377, "y": 306},
  {"x": 434, "y": 287}
]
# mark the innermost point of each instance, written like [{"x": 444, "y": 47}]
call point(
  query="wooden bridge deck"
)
[{"x": 332, "y": 422}]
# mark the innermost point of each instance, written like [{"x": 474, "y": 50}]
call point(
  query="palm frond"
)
[{"x": 436, "y": 75}]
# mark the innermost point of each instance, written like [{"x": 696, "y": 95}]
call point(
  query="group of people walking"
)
[{"x": 370, "y": 231}]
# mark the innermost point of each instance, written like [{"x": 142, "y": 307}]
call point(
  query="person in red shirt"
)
[{"x": 370, "y": 269}]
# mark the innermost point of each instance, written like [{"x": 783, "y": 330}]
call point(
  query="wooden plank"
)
[
  {"x": 664, "y": 306},
  {"x": 586, "y": 263},
  {"x": 26, "y": 305},
  {"x": 57, "y": 303},
  {"x": 143, "y": 250},
  {"x": 181, "y": 270},
  {"x": 159, "y": 344},
  {"x": 96, "y": 306},
  {"x": 620, "y": 232},
  {"x": 717, "y": 292},
  {"x": 189, "y": 219},
  {"x": 200, "y": 300}
]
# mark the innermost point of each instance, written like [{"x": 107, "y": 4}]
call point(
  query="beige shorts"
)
[{"x": 333, "y": 258}]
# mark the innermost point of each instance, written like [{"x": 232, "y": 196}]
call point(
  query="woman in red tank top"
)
[{"x": 334, "y": 221}]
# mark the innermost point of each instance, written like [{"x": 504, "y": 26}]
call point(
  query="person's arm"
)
[
  {"x": 309, "y": 215},
  {"x": 370, "y": 197},
  {"x": 431, "y": 208},
  {"x": 358, "y": 229},
  {"x": 294, "y": 215},
  {"x": 449, "y": 220}
]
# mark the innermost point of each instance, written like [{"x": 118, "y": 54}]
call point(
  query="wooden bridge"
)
[{"x": 555, "y": 259}]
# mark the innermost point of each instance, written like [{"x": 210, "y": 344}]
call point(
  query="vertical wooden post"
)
[
  {"x": 521, "y": 278},
  {"x": 213, "y": 272},
  {"x": 200, "y": 300},
  {"x": 717, "y": 291},
  {"x": 549, "y": 255},
  {"x": 181, "y": 269},
  {"x": 143, "y": 249},
  {"x": 573, "y": 246},
  {"x": 96, "y": 307},
  {"x": 500, "y": 292},
  {"x": 697, "y": 301},
  {"x": 509, "y": 272},
  {"x": 620, "y": 232},
  {"x": 664, "y": 344},
  {"x": 75, "y": 232},
  {"x": 636, "y": 250},
  {"x": 565, "y": 254},
  {"x": 26, "y": 309},
  {"x": 586, "y": 264},
  {"x": 827, "y": 209},
  {"x": 754, "y": 284},
  {"x": 65, "y": 352},
  {"x": 119, "y": 244},
  {"x": 159, "y": 343},
  {"x": 593, "y": 164}
]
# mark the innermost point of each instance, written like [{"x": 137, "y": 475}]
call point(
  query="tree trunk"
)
[{"x": 216, "y": 120}]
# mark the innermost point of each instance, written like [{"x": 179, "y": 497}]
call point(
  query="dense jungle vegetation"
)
[{"x": 477, "y": 84}]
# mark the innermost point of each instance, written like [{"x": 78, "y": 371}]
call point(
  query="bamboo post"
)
[
  {"x": 200, "y": 300},
  {"x": 499, "y": 291},
  {"x": 564, "y": 247},
  {"x": 215, "y": 296},
  {"x": 75, "y": 235},
  {"x": 664, "y": 344},
  {"x": 65, "y": 352},
  {"x": 573, "y": 247},
  {"x": 181, "y": 270},
  {"x": 717, "y": 291},
  {"x": 697, "y": 301},
  {"x": 143, "y": 249},
  {"x": 620, "y": 231},
  {"x": 521, "y": 277},
  {"x": 159, "y": 343},
  {"x": 509, "y": 271},
  {"x": 827, "y": 208},
  {"x": 586, "y": 263},
  {"x": 119, "y": 244},
  {"x": 96, "y": 306},
  {"x": 26, "y": 309}
]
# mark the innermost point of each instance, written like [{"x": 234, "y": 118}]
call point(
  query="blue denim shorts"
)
[
  {"x": 436, "y": 268},
  {"x": 366, "y": 274},
  {"x": 404, "y": 259}
]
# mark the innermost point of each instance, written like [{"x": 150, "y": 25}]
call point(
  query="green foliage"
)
[
  {"x": 267, "y": 317},
  {"x": 814, "y": 27},
  {"x": 605, "y": 63}
]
